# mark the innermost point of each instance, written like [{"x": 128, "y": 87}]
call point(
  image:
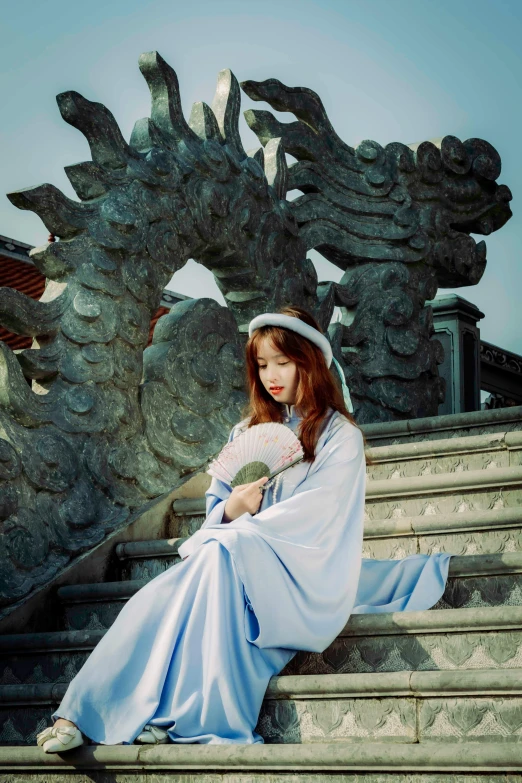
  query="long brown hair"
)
[{"x": 317, "y": 387}]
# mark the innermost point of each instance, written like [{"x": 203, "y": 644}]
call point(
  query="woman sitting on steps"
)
[{"x": 190, "y": 655}]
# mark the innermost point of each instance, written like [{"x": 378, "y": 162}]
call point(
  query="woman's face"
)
[{"x": 277, "y": 371}]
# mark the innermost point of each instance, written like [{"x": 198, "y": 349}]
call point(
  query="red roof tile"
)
[
  {"x": 27, "y": 279},
  {"x": 24, "y": 277}
]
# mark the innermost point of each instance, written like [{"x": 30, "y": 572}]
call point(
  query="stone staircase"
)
[{"x": 433, "y": 695}]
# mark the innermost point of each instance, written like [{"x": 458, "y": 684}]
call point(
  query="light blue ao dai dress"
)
[{"x": 194, "y": 649}]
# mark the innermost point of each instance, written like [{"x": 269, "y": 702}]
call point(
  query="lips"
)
[{"x": 276, "y": 389}]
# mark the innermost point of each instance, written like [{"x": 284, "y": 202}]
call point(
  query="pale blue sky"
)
[{"x": 388, "y": 70}]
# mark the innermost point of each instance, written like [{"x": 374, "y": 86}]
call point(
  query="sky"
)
[{"x": 387, "y": 70}]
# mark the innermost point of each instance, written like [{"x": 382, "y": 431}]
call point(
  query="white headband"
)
[
  {"x": 305, "y": 330},
  {"x": 296, "y": 325}
]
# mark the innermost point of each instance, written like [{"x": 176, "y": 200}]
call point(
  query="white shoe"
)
[
  {"x": 55, "y": 739},
  {"x": 152, "y": 735}
]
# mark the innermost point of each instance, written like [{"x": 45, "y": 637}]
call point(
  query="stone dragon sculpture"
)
[{"x": 93, "y": 425}]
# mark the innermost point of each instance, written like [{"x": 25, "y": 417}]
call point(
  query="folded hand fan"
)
[{"x": 262, "y": 450}]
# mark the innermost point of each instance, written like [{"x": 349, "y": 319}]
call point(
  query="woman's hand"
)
[{"x": 244, "y": 497}]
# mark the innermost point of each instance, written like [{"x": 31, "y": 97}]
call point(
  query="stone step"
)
[
  {"x": 405, "y": 707},
  {"x": 146, "y": 559},
  {"x": 470, "y": 492},
  {"x": 498, "y": 530},
  {"x": 336, "y": 762},
  {"x": 408, "y": 707},
  {"x": 463, "y": 481},
  {"x": 450, "y": 455},
  {"x": 450, "y": 426},
  {"x": 442, "y": 639},
  {"x": 434, "y": 640},
  {"x": 481, "y": 580}
]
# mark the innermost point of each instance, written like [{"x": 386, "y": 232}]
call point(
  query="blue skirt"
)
[{"x": 178, "y": 655}]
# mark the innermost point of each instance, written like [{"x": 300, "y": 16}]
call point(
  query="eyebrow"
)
[{"x": 276, "y": 356}]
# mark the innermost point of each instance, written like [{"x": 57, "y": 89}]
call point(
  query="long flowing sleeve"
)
[
  {"x": 414, "y": 583},
  {"x": 216, "y": 497}
]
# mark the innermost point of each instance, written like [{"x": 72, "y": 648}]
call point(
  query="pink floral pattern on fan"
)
[{"x": 270, "y": 443}]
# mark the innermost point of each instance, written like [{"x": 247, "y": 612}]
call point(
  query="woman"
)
[{"x": 189, "y": 657}]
